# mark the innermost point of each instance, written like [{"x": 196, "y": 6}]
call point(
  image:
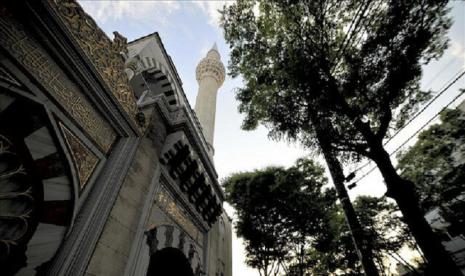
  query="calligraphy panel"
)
[
  {"x": 104, "y": 54},
  {"x": 40, "y": 64}
]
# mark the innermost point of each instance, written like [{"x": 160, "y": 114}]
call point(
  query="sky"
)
[{"x": 188, "y": 30}]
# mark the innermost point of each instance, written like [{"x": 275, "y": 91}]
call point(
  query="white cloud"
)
[
  {"x": 133, "y": 11},
  {"x": 211, "y": 9},
  {"x": 458, "y": 50},
  {"x": 105, "y": 11}
]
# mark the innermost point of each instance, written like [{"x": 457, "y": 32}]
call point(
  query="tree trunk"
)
[
  {"x": 301, "y": 261},
  {"x": 402, "y": 191},
  {"x": 363, "y": 249}
]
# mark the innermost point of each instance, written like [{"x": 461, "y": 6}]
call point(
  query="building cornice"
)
[
  {"x": 178, "y": 85},
  {"x": 177, "y": 120}
]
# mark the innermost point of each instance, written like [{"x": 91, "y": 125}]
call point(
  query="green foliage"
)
[
  {"x": 281, "y": 213},
  {"x": 383, "y": 225},
  {"x": 436, "y": 164},
  {"x": 336, "y": 251},
  {"x": 309, "y": 78},
  {"x": 289, "y": 220},
  {"x": 383, "y": 230},
  {"x": 289, "y": 55}
]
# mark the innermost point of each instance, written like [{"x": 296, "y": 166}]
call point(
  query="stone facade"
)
[{"x": 104, "y": 167}]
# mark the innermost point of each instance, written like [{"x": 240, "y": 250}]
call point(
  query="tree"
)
[
  {"x": 336, "y": 251},
  {"x": 261, "y": 227},
  {"x": 281, "y": 214},
  {"x": 382, "y": 228},
  {"x": 436, "y": 164},
  {"x": 308, "y": 79}
]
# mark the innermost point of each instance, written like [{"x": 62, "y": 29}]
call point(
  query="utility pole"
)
[{"x": 364, "y": 250}]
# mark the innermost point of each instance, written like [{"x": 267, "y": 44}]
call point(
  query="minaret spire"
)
[{"x": 210, "y": 75}]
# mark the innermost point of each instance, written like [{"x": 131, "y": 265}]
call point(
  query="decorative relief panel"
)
[
  {"x": 28, "y": 52},
  {"x": 83, "y": 159},
  {"x": 167, "y": 204},
  {"x": 105, "y": 55}
]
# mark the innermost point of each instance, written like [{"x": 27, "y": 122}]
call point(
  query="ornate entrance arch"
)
[
  {"x": 170, "y": 239},
  {"x": 36, "y": 192}
]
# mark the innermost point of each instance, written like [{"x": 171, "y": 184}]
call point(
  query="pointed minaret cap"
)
[
  {"x": 214, "y": 53},
  {"x": 215, "y": 47}
]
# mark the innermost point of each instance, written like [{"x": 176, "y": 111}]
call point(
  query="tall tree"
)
[
  {"x": 362, "y": 247},
  {"x": 347, "y": 69},
  {"x": 281, "y": 214},
  {"x": 436, "y": 164}
]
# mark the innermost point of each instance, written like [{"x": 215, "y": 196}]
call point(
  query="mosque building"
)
[{"x": 105, "y": 169}]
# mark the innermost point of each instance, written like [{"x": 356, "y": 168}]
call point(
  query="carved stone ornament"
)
[
  {"x": 105, "y": 55},
  {"x": 167, "y": 204},
  {"x": 26, "y": 50},
  {"x": 83, "y": 159},
  {"x": 211, "y": 66}
]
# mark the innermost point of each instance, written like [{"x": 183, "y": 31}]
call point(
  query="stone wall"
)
[
  {"x": 114, "y": 246},
  {"x": 219, "y": 247}
]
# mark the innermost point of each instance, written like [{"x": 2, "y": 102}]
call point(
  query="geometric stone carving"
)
[
  {"x": 26, "y": 50},
  {"x": 35, "y": 207},
  {"x": 185, "y": 169},
  {"x": 84, "y": 160},
  {"x": 211, "y": 66},
  {"x": 104, "y": 54}
]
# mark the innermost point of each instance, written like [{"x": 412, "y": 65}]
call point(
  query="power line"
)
[
  {"x": 429, "y": 121},
  {"x": 443, "y": 89},
  {"x": 354, "y": 34},
  {"x": 349, "y": 30},
  {"x": 453, "y": 59},
  {"x": 358, "y": 18},
  {"x": 427, "y": 105},
  {"x": 415, "y": 133},
  {"x": 418, "y": 113},
  {"x": 361, "y": 37},
  {"x": 369, "y": 23}
]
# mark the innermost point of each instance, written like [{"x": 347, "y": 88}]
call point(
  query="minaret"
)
[{"x": 210, "y": 76}]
